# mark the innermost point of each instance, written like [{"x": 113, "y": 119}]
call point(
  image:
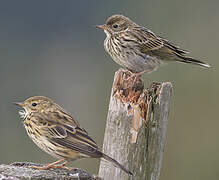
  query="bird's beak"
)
[
  {"x": 102, "y": 26},
  {"x": 21, "y": 104}
]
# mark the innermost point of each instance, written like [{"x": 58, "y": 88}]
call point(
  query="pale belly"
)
[
  {"x": 138, "y": 63},
  {"x": 45, "y": 145}
]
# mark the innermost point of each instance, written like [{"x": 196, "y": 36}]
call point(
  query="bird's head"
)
[
  {"x": 34, "y": 104},
  {"x": 116, "y": 24}
]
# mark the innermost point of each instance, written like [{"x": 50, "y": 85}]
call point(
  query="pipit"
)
[
  {"x": 138, "y": 49},
  {"x": 56, "y": 132}
]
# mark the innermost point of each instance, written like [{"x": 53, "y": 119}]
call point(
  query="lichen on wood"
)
[{"x": 21, "y": 171}]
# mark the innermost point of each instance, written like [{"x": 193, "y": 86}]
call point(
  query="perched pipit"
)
[
  {"x": 58, "y": 133},
  {"x": 138, "y": 49}
]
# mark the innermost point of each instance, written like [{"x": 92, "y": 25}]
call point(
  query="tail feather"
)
[
  {"x": 116, "y": 163},
  {"x": 192, "y": 61}
]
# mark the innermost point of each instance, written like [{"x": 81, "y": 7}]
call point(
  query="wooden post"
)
[{"x": 135, "y": 128}]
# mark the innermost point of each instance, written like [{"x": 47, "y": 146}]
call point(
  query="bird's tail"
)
[
  {"x": 185, "y": 59},
  {"x": 116, "y": 163}
]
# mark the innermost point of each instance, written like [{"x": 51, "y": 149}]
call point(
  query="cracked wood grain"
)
[{"x": 136, "y": 128}]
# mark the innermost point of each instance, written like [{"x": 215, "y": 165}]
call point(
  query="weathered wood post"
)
[
  {"x": 21, "y": 171},
  {"x": 136, "y": 128}
]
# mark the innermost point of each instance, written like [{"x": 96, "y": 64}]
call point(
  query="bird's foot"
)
[
  {"x": 133, "y": 76},
  {"x": 53, "y": 165}
]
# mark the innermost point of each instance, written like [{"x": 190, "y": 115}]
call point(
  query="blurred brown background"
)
[{"x": 52, "y": 48}]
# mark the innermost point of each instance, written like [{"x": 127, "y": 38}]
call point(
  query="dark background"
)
[{"x": 52, "y": 48}]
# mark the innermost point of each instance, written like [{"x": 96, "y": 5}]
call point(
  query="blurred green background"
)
[{"x": 52, "y": 48}]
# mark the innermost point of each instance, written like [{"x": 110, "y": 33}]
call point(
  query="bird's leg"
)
[
  {"x": 63, "y": 166},
  {"x": 134, "y": 76},
  {"x": 138, "y": 75},
  {"x": 49, "y": 166},
  {"x": 129, "y": 73}
]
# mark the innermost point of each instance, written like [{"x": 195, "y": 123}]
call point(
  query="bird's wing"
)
[
  {"x": 79, "y": 141},
  {"x": 146, "y": 39},
  {"x": 150, "y": 42},
  {"x": 71, "y": 136}
]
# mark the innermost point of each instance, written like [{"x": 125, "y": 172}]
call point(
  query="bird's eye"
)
[
  {"x": 115, "y": 26},
  {"x": 34, "y": 104}
]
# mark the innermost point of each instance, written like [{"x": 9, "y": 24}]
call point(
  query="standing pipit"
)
[
  {"x": 137, "y": 48},
  {"x": 58, "y": 133}
]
